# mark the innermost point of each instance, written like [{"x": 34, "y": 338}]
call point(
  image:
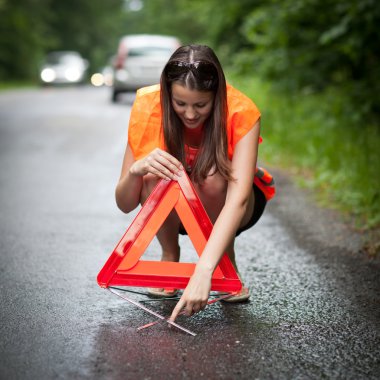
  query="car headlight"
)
[
  {"x": 48, "y": 75},
  {"x": 72, "y": 74},
  {"x": 97, "y": 79}
]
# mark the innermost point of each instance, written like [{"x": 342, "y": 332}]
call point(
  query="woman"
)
[{"x": 193, "y": 121}]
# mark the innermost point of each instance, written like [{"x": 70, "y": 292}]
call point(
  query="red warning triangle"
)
[{"x": 124, "y": 267}]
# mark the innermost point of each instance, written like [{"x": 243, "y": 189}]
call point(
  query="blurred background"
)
[{"x": 312, "y": 66}]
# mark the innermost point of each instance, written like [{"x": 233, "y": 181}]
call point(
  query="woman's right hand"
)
[{"x": 159, "y": 163}]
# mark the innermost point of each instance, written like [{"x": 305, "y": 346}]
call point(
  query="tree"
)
[
  {"x": 314, "y": 44},
  {"x": 23, "y": 27},
  {"x": 30, "y": 28}
]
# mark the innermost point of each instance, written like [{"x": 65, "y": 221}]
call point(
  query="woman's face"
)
[{"x": 192, "y": 107}]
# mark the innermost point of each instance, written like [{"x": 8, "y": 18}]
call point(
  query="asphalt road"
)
[{"x": 314, "y": 312}]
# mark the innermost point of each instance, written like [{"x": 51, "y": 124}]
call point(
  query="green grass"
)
[
  {"x": 16, "y": 85},
  {"x": 326, "y": 143}
]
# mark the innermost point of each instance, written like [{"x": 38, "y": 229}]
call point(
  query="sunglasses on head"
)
[{"x": 205, "y": 71}]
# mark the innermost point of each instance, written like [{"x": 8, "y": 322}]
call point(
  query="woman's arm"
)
[
  {"x": 239, "y": 191},
  {"x": 129, "y": 187}
]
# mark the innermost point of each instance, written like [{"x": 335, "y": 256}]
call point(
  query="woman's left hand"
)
[{"x": 195, "y": 296}]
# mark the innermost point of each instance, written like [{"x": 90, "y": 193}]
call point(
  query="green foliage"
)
[
  {"x": 316, "y": 44},
  {"x": 30, "y": 28},
  {"x": 171, "y": 17},
  {"x": 88, "y": 26},
  {"x": 22, "y": 30}
]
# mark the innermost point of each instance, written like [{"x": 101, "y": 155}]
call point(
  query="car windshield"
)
[
  {"x": 58, "y": 58},
  {"x": 150, "y": 51}
]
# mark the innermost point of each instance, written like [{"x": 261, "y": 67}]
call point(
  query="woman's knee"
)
[
  {"x": 149, "y": 183},
  {"x": 214, "y": 186}
]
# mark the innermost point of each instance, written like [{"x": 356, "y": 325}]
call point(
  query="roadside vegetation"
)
[
  {"x": 10, "y": 85},
  {"x": 318, "y": 138},
  {"x": 312, "y": 66}
]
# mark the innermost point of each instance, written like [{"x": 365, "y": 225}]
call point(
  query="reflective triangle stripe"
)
[
  {"x": 265, "y": 176},
  {"x": 265, "y": 182}
]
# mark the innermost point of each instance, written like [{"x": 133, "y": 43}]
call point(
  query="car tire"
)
[{"x": 115, "y": 96}]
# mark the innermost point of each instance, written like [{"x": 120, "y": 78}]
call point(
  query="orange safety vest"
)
[{"x": 145, "y": 127}]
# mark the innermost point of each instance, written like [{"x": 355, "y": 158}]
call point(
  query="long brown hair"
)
[{"x": 197, "y": 68}]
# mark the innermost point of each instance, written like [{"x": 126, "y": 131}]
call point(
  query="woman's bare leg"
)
[
  {"x": 168, "y": 233},
  {"x": 213, "y": 192}
]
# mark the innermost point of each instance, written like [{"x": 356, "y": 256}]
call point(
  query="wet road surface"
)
[{"x": 314, "y": 311}]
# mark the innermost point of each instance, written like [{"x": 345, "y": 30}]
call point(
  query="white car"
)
[
  {"x": 139, "y": 61},
  {"x": 63, "y": 67}
]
